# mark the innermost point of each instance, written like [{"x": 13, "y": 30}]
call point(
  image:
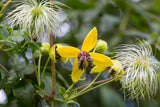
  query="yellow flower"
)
[{"x": 84, "y": 58}]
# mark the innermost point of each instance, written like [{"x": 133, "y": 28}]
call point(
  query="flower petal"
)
[
  {"x": 101, "y": 60},
  {"x": 76, "y": 72},
  {"x": 68, "y": 51},
  {"x": 117, "y": 66},
  {"x": 97, "y": 69},
  {"x": 90, "y": 40}
]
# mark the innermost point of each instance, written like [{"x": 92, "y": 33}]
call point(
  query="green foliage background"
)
[{"x": 118, "y": 22}]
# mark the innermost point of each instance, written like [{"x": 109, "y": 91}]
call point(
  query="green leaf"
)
[
  {"x": 22, "y": 68},
  {"x": 9, "y": 80},
  {"x": 4, "y": 32},
  {"x": 24, "y": 95},
  {"x": 71, "y": 102},
  {"x": 35, "y": 46},
  {"x": 17, "y": 36},
  {"x": 47, "y": 79},
  {"x": 62, "y": 90},
  {"x": 3, "y": 74},
  {"x": 9, "y": 30}
]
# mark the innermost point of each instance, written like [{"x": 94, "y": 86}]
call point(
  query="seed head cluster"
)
[
  {"x": 141, "y": 69},
  {"x": 36, "y": 17}
]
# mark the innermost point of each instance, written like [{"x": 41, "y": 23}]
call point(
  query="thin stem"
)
[
  {"x": 90, "y": 83},
  {"x": 8, "y": 42},
  {"x": 3, "y": 68},
  {"x": 58, "y": 100},
  {"x": 98, "y": 82},
  {"x": 39, "y": 70},
  {"x": 109, "y": 80},
  {"x": 6, "y": 49},
  {"x": 24, "y": 44},
  {"x": 52, "y": 65},
  {"x": 45, "y": 68},
  {"x": 70, "y": 88},
  {"x": 35, "y": 67},
  {"x": 5, "y": 5}
]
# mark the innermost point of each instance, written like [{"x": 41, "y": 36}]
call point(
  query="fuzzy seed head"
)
[
  {"x": 36, "y": 17},
  {"x": 141, "y": 69}
]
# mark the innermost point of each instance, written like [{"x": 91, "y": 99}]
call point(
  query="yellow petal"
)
[
  {"x": 68, "y": 51},
  {"x": 90, "y": 40},
  {"x": 52, "y": 53},
  {"x": 101, "y": 60},
  {"x": 97, "y": 69},
  {"x": 117, "y": 65},
  {"x": 76, "y": 72}
]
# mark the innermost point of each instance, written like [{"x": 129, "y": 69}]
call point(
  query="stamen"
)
[{"x": 84, "y": 60}]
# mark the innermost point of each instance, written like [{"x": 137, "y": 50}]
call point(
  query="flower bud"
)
[
  {"x": 45, "y": 48},
  {"x": 116, "y": 69},
  {"x": 53, "y": 54},
  {"x": 101, "y": 46}
]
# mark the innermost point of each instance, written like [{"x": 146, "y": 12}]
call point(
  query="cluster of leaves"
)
[{"x": 17, "y": 71}]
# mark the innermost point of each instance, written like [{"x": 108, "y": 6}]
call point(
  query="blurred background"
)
[{"x": 117, "y": 21}]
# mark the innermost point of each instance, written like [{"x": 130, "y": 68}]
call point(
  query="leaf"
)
[
  {"x": 47, "y": 79},
  {"x": 3, "y": 74},
  {"x": 71, "y": 102},
  {"x": 9, "y": 80},
  {"x": 22, "y": 68},
  {"x": 35, "y": 46},
  {"x": 9, "y": 30},
  {"x": 17, "y": 36},
  {"x": 62, "y": 90},
  {"x": 25, "y": 95},
  {"x": 4, "y": 32}
]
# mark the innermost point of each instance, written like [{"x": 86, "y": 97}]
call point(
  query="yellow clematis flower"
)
[{"x": 84, "y": 57}]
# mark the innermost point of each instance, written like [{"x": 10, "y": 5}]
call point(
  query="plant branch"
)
[
  {"x": 52, "y": 66},
  {"x": 3, "y": 68},
  {"x": 45, "y": 68},
  {"x": 39, "y": 70},
  {"x": 109, "y": 80},
  {"x": 90, "y": 83},
  {"x": 5, "y": 5},
  {"x": 98, "y": 82}
]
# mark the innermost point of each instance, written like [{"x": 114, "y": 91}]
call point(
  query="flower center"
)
[
  {"x": 84, "y": 60},
  {"x": 36, "y": 12}
]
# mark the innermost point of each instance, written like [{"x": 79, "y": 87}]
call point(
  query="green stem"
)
[
  {"x": 90, "y": 83},
  {"x": 24, "y": 44},
  {"x": 6, "y": 49},
  {"x": 58, "y": 101},
  {"x": 35, "y": 67},
  {"x": 8, "y": 42},
  {"x": 39, "y": 70},
  {"x": 112, "y": 79},
  {"x": 44, "y": 69},
  {"x": 97, "y": 82},
  {"x": 5, "y": 5},
  {"x": 52, "y": 65},
  {"x": 3, "y": 68},
  {"x": 70, "y": 88}
]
